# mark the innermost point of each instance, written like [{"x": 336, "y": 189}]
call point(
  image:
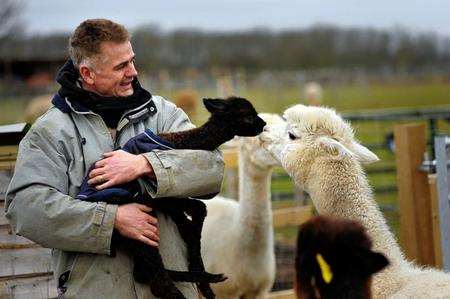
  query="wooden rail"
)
[
  {"x": 291, "y": 216},
  {"x": 287, "y": 294},
  {"x": 42, "y": 286}
]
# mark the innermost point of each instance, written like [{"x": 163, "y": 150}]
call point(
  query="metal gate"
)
[{"x": 442, "y": 146}]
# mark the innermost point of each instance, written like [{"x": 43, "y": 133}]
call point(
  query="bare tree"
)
[{"x": 10, "y": 23}]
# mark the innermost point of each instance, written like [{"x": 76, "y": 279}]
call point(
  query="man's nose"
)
[{"x": 131, "y": 71}]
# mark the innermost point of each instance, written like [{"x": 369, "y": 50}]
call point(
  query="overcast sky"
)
[{"x": 43, "y": 16}]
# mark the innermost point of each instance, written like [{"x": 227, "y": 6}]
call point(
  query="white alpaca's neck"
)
[
  {"x": 341, "y": 189},
  {"x": 255, "y": 217}
]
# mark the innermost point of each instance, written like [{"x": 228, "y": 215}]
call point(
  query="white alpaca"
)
[
  {"x": 237, "y": 237},
  {"x": 318, "y": 150}
]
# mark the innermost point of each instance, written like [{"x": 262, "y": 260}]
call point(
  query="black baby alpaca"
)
[{"x": 230, "y": 117}]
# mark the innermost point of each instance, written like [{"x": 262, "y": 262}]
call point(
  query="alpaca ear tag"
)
[{"x": 325, "y": 268}]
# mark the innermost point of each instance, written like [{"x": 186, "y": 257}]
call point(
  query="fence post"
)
[{"x": 416, "y": 224}]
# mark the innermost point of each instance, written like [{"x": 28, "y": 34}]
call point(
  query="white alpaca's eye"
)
[{"x": 292, "y": 136}]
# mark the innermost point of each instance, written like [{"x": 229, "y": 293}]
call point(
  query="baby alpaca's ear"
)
[{"x": 215, "y": 105}]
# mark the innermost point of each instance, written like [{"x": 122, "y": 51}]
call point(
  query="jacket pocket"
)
[{"x": 64, "y": 277}]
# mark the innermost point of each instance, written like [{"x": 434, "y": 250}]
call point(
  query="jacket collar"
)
[{"x": 134, "y": 115}]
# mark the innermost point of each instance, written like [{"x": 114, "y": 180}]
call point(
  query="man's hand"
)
[
  {"x": 119, "y": 167},
  {"x": 132, "y": 221}
]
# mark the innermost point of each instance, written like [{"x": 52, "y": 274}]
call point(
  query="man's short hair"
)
[{"x": 85, "y": 42}]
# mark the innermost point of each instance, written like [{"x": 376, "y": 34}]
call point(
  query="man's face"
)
[{"x": 114, "y": 70}]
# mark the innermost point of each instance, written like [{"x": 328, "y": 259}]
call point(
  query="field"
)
[
  {"x": 429, "y": 92},
  {"x": 399, "y": 94}
]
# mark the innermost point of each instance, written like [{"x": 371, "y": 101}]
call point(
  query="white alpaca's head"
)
[
  {"x": 310, "y": 133},
  {"x": 253, "y": 148}
]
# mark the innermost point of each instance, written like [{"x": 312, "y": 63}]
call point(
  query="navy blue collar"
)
[{"x": 61, "y": 103}]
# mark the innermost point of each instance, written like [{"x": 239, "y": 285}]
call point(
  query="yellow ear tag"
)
[{"x": 327, "y": 274}]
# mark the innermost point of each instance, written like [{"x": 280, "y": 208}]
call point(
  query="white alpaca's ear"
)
[
  {"x": 363, "y": 154},
  {"x": 334, "y": 147},
  {"x": 355, "y": 150}
]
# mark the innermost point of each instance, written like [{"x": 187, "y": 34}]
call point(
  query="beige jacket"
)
[{"x": 52, "y": 162}]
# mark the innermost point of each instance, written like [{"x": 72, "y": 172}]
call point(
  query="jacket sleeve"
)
[
  {"x": 38, "y": 207},
  {"x": 183, "y": 173}
]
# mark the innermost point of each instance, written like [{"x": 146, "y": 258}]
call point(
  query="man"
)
[{"x": 99, "y": 107}]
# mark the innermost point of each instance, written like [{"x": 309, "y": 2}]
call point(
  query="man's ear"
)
[{"x": 87, "y": 75}]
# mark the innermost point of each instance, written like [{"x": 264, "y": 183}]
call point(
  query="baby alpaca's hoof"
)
[{"x": 215, "y": 278}]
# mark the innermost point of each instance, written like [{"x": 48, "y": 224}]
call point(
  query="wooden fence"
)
[
  {"x": 25, "y": 267},
  {"x": 419, "y": 201}
]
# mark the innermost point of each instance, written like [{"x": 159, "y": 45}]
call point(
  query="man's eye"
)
[{"x": 292, "y": 136}]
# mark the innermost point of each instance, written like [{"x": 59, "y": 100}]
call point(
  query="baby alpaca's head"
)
[
  {"x": 335, "y": 260},
  {"x": 237, "y": 115},
  {"x": 311, "y": 133}
]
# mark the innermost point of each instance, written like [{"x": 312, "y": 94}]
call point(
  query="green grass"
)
[
  {"x": 345, "y": 98},
  {"x": 395, "y": 95},
  {"x": 352, "y": 98},
  {"x": 428, "y": 93},
  {"x": 12, "y": 110}
]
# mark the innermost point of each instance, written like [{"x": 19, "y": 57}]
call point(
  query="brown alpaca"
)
[
  {"x": 335, "y": 260},
  {"x": 188, "y": 101}
]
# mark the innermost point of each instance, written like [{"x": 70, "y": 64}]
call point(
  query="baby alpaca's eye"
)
[{"x": 292, "y": 136}]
